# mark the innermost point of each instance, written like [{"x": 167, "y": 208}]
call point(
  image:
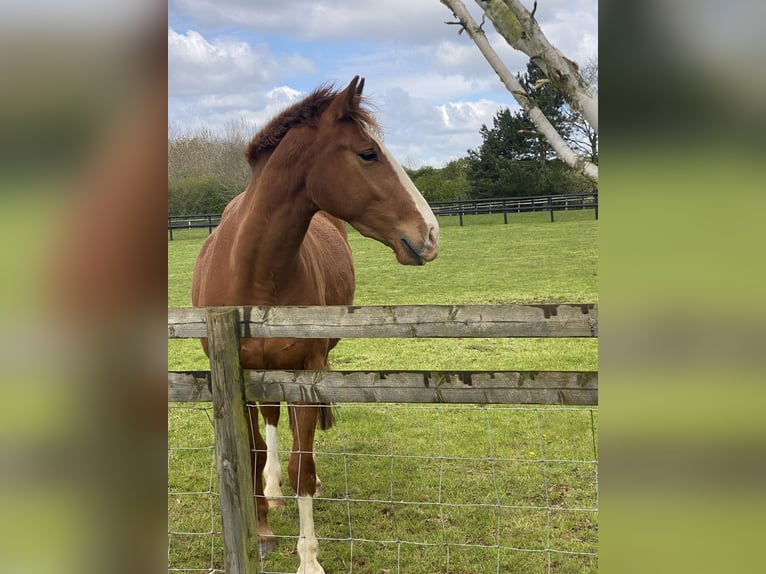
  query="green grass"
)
[
  {"x": 530, "y": 260},
  {"x": 412, "y": 480},
  {"x": 424, "y": 489}
]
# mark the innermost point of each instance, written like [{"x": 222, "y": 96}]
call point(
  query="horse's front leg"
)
[
  {"x": 272, "y": 472},
  {"x": 302, "y": 471},
  {"x": 266, "y": 540}
]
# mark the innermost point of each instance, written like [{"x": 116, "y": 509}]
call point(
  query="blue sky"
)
[{"x": 234, "y": 62}]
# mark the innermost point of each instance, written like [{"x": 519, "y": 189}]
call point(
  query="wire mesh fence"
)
[{"x": 414, "y": 489}]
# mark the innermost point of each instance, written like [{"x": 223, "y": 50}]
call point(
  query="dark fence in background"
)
[
  {"x": 206, "y": 220},
  {"x": 506, "y": 205},
  {"x": 459, "y": 208}
]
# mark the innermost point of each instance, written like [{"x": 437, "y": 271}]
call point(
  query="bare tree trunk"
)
[
  {"x": 510, "y": 81},
  {"x": 519, "y": 28}
]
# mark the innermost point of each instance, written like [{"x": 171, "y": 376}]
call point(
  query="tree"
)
[
  {"x": 520, "y": 29},
  {"x": 582, "y": 137},
  {"x": 206, "y": 170},
  {"x": 198, "y": 195},
  {"x": 429, "y": 182},
  {"x": 447, "y": 183},
  {"x": 551, "y": 103},
  {"x": 499, "y": 167},
  {"x": 455, "y": 173},
  {"x": 514, "y": 158},
  {"x": 518, "y": 26}
]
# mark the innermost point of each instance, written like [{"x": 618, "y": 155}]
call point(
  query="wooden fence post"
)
[
  {"x": 235, "y": 483},
  {"x": 595, "y": 197}
]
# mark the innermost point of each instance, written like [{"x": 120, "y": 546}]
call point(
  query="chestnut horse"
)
[{"x": 315, "y": 166}]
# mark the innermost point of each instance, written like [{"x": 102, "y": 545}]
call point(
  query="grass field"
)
[
  {"x": 530, "y": 260},
  {"x": 424, "y": 489}
]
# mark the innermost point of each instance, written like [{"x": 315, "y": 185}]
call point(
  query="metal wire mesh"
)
[{"x": 413, "y": 489}]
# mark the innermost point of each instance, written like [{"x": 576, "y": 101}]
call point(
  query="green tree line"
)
[{"x": 207, "y": 170}]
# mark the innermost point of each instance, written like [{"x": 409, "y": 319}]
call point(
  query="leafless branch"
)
[{"x": 458, "y": 23}]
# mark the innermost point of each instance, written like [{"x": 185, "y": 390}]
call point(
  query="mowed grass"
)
[
  {"x": 530, "y": 260},
  {"x": 422, "y": 488},
  {"x": 415, "y": 489}
]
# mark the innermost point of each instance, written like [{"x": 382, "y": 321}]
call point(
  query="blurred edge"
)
[
  {"x": 681, "y": 285},
  {"x": 83, "y": 193},
  {"x": 83, "y": 125}
]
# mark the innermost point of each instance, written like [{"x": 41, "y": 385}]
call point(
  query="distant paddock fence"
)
[
  {"x": 458, "y": 208},
  {"x": 506, "y": 205},
  {"x": 207, "y": 221},
  {"x": 230, "y": 388}
]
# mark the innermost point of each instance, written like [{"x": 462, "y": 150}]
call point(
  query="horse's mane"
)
[{"x": 304, "y": 112}]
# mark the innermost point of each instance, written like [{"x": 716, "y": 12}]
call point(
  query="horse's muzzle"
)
[{"x": 419, "y": 256}]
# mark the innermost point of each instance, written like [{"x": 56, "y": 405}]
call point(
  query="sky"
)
[{"x": 239, "y": 62}]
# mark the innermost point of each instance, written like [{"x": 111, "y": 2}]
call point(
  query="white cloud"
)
[
  {"x": 215, "y": 112},
  {"x": 573, "y": 29},
  {"x": 284, "y": 93},
  {"x": 420, "y": 133},
  {"x": 325, "y": 19},
  {"x": 451, "y": 54},
  {"x": 468, "y": 116},
  {"x": 419, "y": 22},
  {"x": 197, "y": 66},
  {"x": 418, "y": 130},
  {"x": 431, "y": 87}
]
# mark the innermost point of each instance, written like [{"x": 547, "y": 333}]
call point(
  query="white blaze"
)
[{"x": 420, "y": 203}]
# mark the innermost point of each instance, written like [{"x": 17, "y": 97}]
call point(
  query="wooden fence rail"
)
[
  {"x": 431, "y": 321},
  {"x": 523, "y": 204},
  {"x": 229, "y": 387},
  {"x": 461, "y": 387}
]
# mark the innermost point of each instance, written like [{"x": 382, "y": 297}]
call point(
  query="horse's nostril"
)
[{"x": 433, "y": 236}]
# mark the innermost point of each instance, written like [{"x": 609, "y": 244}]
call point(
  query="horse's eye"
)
[{"x": 368, "y": 155}]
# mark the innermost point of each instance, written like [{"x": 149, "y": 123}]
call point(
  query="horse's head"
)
[{"x": 354, "y": 177}]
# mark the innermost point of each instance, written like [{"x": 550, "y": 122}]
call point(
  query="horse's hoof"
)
[
  {"x": 272, "y": 492},
  {"x": 275, "y": 503},
  {"x": 311, "y": 568}
]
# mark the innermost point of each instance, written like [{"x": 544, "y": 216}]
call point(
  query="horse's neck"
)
[{"x": 274, "y": 217}]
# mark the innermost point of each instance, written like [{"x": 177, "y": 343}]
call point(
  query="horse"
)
[{"x": 315, "y": 167}]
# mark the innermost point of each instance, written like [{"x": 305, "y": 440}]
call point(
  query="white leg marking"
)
[
  {"x": 272, "y": 472},
  {"x": 307, "y": 543},
  {"x": 319, "y": 482}
]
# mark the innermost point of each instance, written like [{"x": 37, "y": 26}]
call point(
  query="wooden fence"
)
[
  {"x": 506, "y": 205},
  {"x": 229, "y": 387},
  {"x": 459, "y": 208},
  {"x": 198, "y": 221}
]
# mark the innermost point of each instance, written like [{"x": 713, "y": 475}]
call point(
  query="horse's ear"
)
[
  {"x": 353, "y": 92},
  {"x": 347, "y": 100}
]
